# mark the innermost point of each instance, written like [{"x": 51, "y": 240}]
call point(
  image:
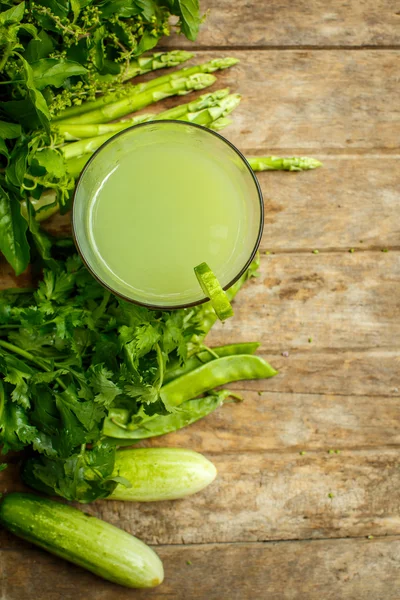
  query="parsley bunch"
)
[{"x": 69, "y": 352}]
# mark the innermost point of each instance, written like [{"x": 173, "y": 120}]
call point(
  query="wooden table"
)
[{"x": 306, "y": 504}]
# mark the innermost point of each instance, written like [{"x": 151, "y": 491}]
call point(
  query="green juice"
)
[{"x": 158, "y": 200}]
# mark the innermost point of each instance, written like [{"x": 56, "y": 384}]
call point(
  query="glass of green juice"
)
[{"x": 156, "y": 200}]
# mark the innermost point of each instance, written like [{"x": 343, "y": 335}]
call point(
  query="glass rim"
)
[{"x": 188, "y": 124}]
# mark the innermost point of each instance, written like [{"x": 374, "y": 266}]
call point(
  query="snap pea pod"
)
[
  {"x": 205, "y": 356},
  {"x": 189, "y": 412},
  {"x": 213, "y": 374}
]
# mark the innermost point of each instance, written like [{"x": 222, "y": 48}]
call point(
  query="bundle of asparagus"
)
[{"x": 85, "y": 127}]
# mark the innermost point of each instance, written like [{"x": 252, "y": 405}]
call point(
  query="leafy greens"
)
[
  {"x": 70, "y": 352},
  {"x": 55, "y": 54}
]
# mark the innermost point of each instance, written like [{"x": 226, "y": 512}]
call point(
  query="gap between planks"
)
[
  {"x": 330, "y": 394},
  {"x": 327, "y": 153},
  {"x": 250, "y": 48},
  {"x": 389, "y": 537},
  {"x": 332, "y": 250}
]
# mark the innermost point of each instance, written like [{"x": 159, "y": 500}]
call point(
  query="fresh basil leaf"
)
[
  {"x": 16, "y": 170},
  {"x": 39, "y": 48},
  {"x": 36, "y": 96},
  {"x": 41, "y": 239},
  {"x": 57, "y": 7},
  {"x": 9, "y": 131},
  {"x": 52, "y": 71},
  {"x": 13, "y": 242},
  {"x": 190, "y": 18},
  {"x": 123, "y": 8},
  {"x": 98, "y": 42},
  {"x": 147, "y": 42},
  {"x": 148, "y": 8},
  {"x": 52, "y": 161},
  {"x": 76, "y": 9},
  {"x": 3, "y": 148},
  {"x": 13, "y": 14},
  {"x": 22, "y": 111},
  {"x": 31, "y": 29}
]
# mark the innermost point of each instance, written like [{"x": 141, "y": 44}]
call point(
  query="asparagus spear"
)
[
  {"x": 220, "y": 123},
  {"x": 217, "y": 64},
  {"x": 72, "y": 132},
  {"x": 158, "y": 60},
  {"x": 204, "y": 101},
  {"x": 140, "y": 66},
  {"x": 158, "y": 82},
  {"x": 76, "y": 164},
  {"x": 176, "y": 87},
  {"x": 206, "y": 116},
  {"x": 276, "y": 163},
  {"x": 76, "y": 132}
]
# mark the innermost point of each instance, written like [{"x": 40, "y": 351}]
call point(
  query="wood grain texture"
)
[
  {"x": 333, "y": 570},
  {"x": 345, "y": 372},
  {"x": 279, "y": 422},
  {"x": 338, "y": 300},
  {"x": 301, "y": 23},
  {"x": 341, "y": 391},
  {"x": 308, "y": 101},
  {"x": 263, "y": 496}
]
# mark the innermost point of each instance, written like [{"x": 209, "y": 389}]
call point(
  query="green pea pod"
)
[
  {"x": 205, "y": 356},
  {"x": 189, "y": 412},
  {"x": 213, "y": 374}
]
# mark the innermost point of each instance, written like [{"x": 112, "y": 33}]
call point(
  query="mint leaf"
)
[{"x": 52, "y": 71}]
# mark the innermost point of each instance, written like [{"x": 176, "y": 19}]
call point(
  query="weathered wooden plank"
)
[
  {"x": 334, "y": 570},
  {"x": 349, "y": 202},
  {"x": 293, "y": 422},
  {"x": 262, "y": 496},
  {"x": 307, "y": 101},
  {"x": 336, "y": 300},
  {"x": 282, "y": 23},
  {"x": 350, "y": 199},
  {"x": 344, "y": 372},
  {"x": 276, "y": 496}
]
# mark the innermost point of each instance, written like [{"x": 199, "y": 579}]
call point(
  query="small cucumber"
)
[
  {"x": 161, "y": 474},
  {"x": 82, "y": 539}
]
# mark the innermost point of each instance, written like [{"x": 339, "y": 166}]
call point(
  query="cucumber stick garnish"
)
[{"x": 213, "y": 290}]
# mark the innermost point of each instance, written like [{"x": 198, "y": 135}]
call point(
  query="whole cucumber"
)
[
  {"x": 82, "y": 539},
  {"x": 161, "y": 474}
]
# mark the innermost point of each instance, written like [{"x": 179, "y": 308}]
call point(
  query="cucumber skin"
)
[
  {"x": 161, "y": 474},
  {"x": 82, "y": 539}
]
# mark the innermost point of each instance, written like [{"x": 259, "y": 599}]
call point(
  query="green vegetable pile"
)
[
  {"x": 85, "y": 372},
  {"x": 55, "y": 55},
  {"x": 62, "y": 71}
]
